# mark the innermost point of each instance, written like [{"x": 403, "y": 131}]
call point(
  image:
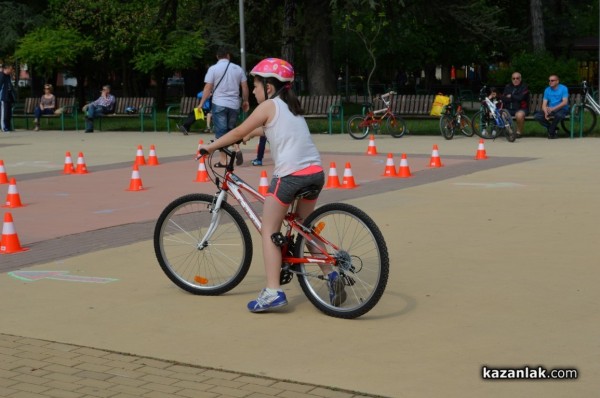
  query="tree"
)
[
  {"x": 318, "y": 47},
  {"x": 49, "y": 50},
  {"x": 289, "y": 32},
  {"x": 368, "y": 32},
  {"x": 537, "y": 26}
]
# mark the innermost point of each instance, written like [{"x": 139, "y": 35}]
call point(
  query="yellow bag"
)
[
  {"x": 439, "y": 102},
  {"x": 198, "y": 114}
]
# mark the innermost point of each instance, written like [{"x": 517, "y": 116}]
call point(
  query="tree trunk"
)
[
  {"x": 318, "y": 33},
  {"x": 537, "y": 26},
  {"x": 289, "y": 24}
]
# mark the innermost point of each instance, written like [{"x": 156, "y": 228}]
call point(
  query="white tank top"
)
[{"x": 292, "y": 147}]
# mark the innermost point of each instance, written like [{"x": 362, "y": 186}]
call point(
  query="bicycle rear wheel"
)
[
  {"x": 447, "y": 126},
  {"x": 589, "y": 121},
  {"x": 220, "y": 263},
  {"x": 358, "y": 127},
  {"x": 484, "y": 126},
  {"x": 465, "y": 125},
  {"x": 396, "y": 126},
  {"x": 363, "y": 261}
]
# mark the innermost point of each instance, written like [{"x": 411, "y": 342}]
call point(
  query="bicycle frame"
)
[
  {"x": 236, "y": 187},
  {"x": 589, "y": 100},
  {"x": 493, "y": 110},
  {"x": 372, "y": 116}
]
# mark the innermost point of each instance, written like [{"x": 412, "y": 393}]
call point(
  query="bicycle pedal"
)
[
  {"x": 285, "y": 276},
  {"x": 278, "y": 239}
]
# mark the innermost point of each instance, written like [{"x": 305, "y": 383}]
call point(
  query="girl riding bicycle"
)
[{"x": 297, "y": 166}]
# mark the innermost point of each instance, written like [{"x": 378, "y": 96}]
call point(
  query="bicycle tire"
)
[
  {"x": 447, "y": 126},
  {"x": 359, "y": 240},
  {"x": 509, "y": 126},
  {"x": 483, "y": 126},
  {"x": 358, "y": 128},
  {"x": 589, "y": 121},
  {"x": 217, "y": 267},
  {"x": 396, "y": 126},
  {"x": 466, "y": 126}
]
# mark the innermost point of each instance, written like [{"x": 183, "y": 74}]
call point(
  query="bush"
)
[{"x": 535, "y": 69}]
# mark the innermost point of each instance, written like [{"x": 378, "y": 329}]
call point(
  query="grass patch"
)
[{"x": 317, "y": 126}]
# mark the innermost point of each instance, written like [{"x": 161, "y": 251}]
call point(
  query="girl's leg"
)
[{"x": 273, "y": 214}]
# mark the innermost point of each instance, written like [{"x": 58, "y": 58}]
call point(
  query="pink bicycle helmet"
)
[{"x": 274, "y": 67}]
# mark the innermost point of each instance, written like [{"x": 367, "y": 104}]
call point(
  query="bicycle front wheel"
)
[
  {"x": 588, "y": 121},
  {"x": 509, "y": 125},
  {"x": 196, "y": 260},
  {"x": 447, "y": 126},
  {"x": 484, "y": 126},
  {"x": 358, "y": 127},
  {"x": 396, "y": 126},
  {"x": 362, "y": 261}
]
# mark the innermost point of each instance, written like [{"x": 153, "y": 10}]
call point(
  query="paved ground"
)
[{"x": 493, "y": 263}]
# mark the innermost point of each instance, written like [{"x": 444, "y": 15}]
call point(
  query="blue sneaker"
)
[
  {"x": 337, "y": 291},
  {"x": 257, "y": 162},
  {"x": 267, "y": 301}
]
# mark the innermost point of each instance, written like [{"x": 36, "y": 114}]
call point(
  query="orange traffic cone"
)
[
  {"x": 69, "y": 168},
  {"x": 201, "y": 175},
  {"x": 139, "y": 157},
  {"x": 81, "y": 167},
  {"x": 481, "y": 154},
  {"x": 390, "y": 169},
  {"x": 3, "y": 176},
  {"x": 263, "y": 184},
  {"x": 152, "y": 158},
  {"x": 136, "y": 181},
  {"x": 333, "y": 181},
  {"x": 371, "y": 149},
  {"x": 10, "y": 240},
  {"x": 13, "y": 199},
  {"x": 348, "y": 181},
  {"x": 435, "y": 160},
  {"x": 404, "y": 170}
]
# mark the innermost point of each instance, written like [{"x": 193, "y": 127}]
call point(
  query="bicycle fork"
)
[{"x": 214, "y": 222}]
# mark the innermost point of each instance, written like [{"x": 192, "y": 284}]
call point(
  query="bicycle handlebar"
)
[{"x": 203, "y": 152}]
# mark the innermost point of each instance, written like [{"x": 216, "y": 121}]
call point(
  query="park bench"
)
[
  {"x": 535, "y": 103},
  {"x": 323, "y": 106},
  {"x": 26, "y": 111},
  {"x": 145, "y": 109},
  {"x": 413, "y": 106},
  {"x": 180, "y": 111}
]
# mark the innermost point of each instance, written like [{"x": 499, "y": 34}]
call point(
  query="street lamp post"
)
[{"x": 242, "y": 37}]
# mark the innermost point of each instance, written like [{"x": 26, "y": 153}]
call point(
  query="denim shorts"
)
[
  {"x": 285, "y": 188},
  {"x": 223, "y": 119}
]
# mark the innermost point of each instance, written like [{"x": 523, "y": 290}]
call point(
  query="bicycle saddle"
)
[{"x": 308, "y": 191}]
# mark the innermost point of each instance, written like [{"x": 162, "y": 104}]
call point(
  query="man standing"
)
[
  {"x": 555, "y": 104},
  {"x": 223, "y": 81},
  {"x": 515, "y": 99},
  {"x": 104, "y": 105},
  {"x": 8, "y": 97}
]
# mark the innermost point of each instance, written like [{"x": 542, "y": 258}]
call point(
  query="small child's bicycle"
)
[
  {"x": 491, "y": 122},
  {"x": 454, "y": 120},
  {"x": 359, "y": 126},
  {"x": 204, "y": 246}
]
